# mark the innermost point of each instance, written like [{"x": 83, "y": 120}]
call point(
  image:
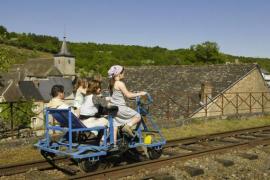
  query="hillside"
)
[
  {"x": 20, "y": 55},
  {"x": 97, "y": 58}
]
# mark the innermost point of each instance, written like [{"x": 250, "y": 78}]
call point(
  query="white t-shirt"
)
[{"x": 88, "y": 108}]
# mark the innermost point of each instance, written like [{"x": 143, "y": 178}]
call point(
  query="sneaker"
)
[{"x": 128, "y": 130}]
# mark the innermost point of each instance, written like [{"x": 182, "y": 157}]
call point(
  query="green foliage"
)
[
  {"x": 207, "y": 52},
  {"x": 5, "y": 60},
  {"x": 3, "y": 30},
  {"x": 11, "y": 54},
  {"x": 3, "y": 33},
  {"x": 92, "y": 58},
  {"x": 22, "y": 113}
]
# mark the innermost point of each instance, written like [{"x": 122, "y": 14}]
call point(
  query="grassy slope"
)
[
  {"x": 20, "y": 55},
  {"x": 200, "y": 127}
]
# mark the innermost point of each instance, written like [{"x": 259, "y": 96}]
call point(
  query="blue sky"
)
[{"x": 240, "y": 27}]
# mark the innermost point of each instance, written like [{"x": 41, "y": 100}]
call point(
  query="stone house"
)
[{"x": 184, "y": 92}]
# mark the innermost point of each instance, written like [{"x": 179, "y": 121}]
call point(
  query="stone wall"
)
[{"x": 249, "y": 95}]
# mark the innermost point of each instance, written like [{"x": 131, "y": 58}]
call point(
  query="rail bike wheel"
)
[
  {"x": 134, "y": 155},
  {"x": 123, "y": 143},
  {"x": 154, "y": 153},
  {"x": 88, "y": 165}
]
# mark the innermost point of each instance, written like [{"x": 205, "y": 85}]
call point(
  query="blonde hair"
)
[{"x": 80, "y": 82}]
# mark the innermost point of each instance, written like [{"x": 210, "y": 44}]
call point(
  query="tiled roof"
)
[
  {"x": 46, "y": 85},
  {"x": 15, "y": 91},
  {"x": 29, "y": 91},
  {"x": 41, "y": 68},
  {"x": 177, "y": 82},
  {"x": 9, "y": 89}
]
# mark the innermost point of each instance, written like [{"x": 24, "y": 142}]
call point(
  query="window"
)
[{"x": 69, "y": 61}]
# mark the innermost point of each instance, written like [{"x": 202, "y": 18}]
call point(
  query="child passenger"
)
[
  {"x": 89, "y": 109},
  {"x": 80, "y": 91},
  {"x": 126, "y": 116}
]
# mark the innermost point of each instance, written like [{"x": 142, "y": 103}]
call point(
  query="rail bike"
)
[{"x": 75, "y": 141}]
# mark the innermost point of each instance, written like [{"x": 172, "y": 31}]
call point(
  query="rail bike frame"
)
[{"x": 69, "y": 125}]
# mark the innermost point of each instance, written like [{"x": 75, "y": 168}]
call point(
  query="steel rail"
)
[
  {"x": 44, "y": 165},
  {"x": 127, "y": 170}
]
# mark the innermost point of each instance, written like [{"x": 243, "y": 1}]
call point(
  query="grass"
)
[
  {"x": 19, "y": 154},
  {"x": 21, "y": 55},
  {"x": 202, "y": 127},
  {"x": 196, "y": 128}
]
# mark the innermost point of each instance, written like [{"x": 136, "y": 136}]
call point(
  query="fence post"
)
[
  {"x": 262, "y": 103},
  {"x": 250, "y": 102},
  {"x": 205, "y": 105},
  {"x": 237, "y": 103},
  {"x": 222, "y": 110},
  {"x": 12, "y": 119},
  {"x": 188, "y": 107}
]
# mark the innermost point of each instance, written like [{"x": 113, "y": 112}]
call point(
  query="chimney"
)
[{"x": 206, "y": 92}]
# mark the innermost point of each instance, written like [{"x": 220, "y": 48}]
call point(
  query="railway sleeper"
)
[
  {"x": 248, "y": 156},
  {"x": 225, "y": 162}
]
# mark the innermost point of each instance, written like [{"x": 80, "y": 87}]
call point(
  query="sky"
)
[{"x": 240, "y": 27}]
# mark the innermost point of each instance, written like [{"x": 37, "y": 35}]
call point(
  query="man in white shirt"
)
[{"x": 57, "y": 101}]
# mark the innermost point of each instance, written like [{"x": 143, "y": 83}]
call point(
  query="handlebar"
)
[{"x": 149, "y": 99}]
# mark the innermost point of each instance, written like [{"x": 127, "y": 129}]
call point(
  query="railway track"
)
[
  {"x": 175, "y": 150},
  {"x": 23, "y": 167}
]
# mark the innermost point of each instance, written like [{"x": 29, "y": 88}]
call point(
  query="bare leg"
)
[{"x": 134, "y": 120}]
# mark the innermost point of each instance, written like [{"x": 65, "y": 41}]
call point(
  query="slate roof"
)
[
  {"x": 8, "y": 88},
  {"x": 29, "y": 91},
  {"x": 41, "y": 67},
  {"x": 11, "y": 93},
  {"x": 179, "y": 82},
  {"x": 15, "y": 91},
  {"x": 46, "y": 85}
]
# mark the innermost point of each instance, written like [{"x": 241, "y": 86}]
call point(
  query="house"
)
[
  {"x": 266, "y": 76},
  {"x": 184, "y": 92},
  {"x": 34, "y": 80}
]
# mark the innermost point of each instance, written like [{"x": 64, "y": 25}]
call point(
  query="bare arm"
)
[{"x": 121, "y": 86}]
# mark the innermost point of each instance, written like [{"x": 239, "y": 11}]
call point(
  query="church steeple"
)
[
  {"x": 64, "y": 50},
  {"x": 65, "y": 61}
]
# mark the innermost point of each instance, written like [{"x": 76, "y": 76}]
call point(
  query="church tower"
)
[{"x": 65, "y": 61}]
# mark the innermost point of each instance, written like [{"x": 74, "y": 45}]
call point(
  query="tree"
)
[
  {"x": 207, "y": 52},
  {"x": 22, "y": 113},
  {"x": 5, "y": 60},
  {"x": 3, "y": 30}
]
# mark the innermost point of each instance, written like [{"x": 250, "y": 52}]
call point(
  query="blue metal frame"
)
[
  {"x": 69, "y": 148},
  {"x": 141, "y": 110},
  {"x": 92, "y": 152}
]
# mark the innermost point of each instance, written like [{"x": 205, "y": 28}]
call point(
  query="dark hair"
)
[
  {"x": 56, "y": 89},
  {"x": 112, "y": 81},
  {"x": 93, "y": 86}
]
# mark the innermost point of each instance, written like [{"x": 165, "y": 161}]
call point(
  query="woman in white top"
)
[{"x": 89, "y": 108}]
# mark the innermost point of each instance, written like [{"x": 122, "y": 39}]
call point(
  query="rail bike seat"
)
[
  {"x": 62, "y": 117},
  {"x": 111, "y": 111}
]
